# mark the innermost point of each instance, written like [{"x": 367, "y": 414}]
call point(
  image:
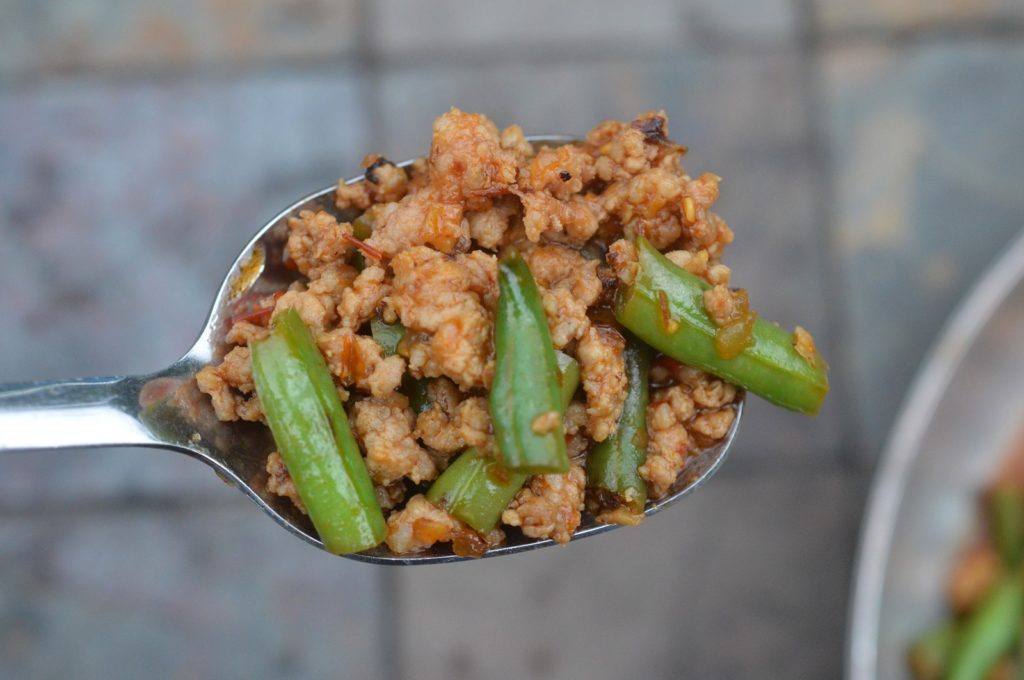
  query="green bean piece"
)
[
  {"x": 568, "y": 376},
  {"x": 613, "y": 477},
  {"x": 526, "y": 398},
  {"x": 929, "y": 655},
  {"x": 311, "y": 430},
  {"x": 476, "y": 489},
  {"x": 387, "y": 335},
  {"x": 990, "y": 631},
  {"x": 664, "y": 307},
  {"x": 362, "y": 229},
  {"x": 1006, "y": 508}
]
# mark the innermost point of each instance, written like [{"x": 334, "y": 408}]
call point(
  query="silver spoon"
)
[{"x": 166, "y": 410}]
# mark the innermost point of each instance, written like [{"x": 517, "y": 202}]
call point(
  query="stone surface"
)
[
  {"x": 403, "y": 28},
  {"x": 842, "y": 15},
  {"x": 928, "y": 146},
  {"x": 38, "y": 37},
  {"x": 696, "y": 591},
  {"x": 172, "y": 593}
]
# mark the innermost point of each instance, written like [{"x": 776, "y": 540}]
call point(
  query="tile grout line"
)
[{"x": 831, "y": 266}]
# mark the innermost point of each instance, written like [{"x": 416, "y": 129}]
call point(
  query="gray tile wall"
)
[{"x": 871, "y": 155}]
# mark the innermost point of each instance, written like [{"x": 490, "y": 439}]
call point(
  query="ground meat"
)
[
  {"x": 513, "y": 139},
  {"x": 452, "y": 423},
  {"x": 668, "y": 443},
  {"x": 804, "y": 345},
  {"x": 421, "y": 218},
  {"x": 310, "y": 307},
  {"x": 561, "y": 171},
  {"x": 487, "y": 228},
  {"x": 578, "y": 217},
  {"x": 360, "y": 301},
  {"x": 467, "y": 160},
  {"x": 418, "y": 526},
  {"x": 624, "y": 260},
  {"x": 316, "y": 239},
  {"x": 390, "y": 496},
  {"x": 683, "y": 418},
  {"x": 358, "y": 360},
  {"x": 648, "y": 204},
  {"x": 604, "y": 379},
  {"x": 451, "y": 328},
  {"x": 279, "y": 482},
  {"x": 230, "y": 386},
  {"x": 384, "y": 426},
  {"x": 569, "y": 285},
  {"x": 421, "y": 524},
  {"x": 549, "y": 506},
  {"x": 385, "y": 183},
  {"x": 244, "y": 332}
]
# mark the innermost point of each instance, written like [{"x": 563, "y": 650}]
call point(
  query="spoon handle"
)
[{"x": 60, "y": 414}]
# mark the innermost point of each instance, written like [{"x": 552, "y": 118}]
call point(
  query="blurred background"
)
[{"x": 873, "y": 163}]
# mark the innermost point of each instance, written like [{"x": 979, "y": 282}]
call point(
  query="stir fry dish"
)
[
  {"x": 503, "y": 336},
  {"x": 982, "y": 638}
]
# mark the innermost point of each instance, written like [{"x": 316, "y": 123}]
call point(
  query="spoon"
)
[{"x": 166, "y": 410}]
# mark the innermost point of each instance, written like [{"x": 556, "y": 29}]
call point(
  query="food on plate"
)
[
  {"x": 503, "y": 336},
  {"x": 981, "y": 638}
]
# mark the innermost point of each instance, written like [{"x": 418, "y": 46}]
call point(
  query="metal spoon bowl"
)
[{"x": 166, "y": 409}]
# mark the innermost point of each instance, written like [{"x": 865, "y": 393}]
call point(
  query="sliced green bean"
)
[
  {"x": 664, "y": 307},
  {"x": 311, "y": 430},
  {"x": 475, "y": 488},
  {"x": 613, "y": 479},
  {"x": 526, "y": 399},
  {"x": 387, "y": 335},
  {"x": 990, "y": 631},
  {"x": 568, "y": 376}
]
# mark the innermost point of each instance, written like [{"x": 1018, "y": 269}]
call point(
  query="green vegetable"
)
[
  {"x": 312, "y": 433},
  {"x": 990, "y": 631},
  {"x": 475, "y": 488},
  {"x": 769, "y": 366},
  {"x": 387, "y": 335},
  {"x": 568, "y": 376},
  {"x": 362, "y": 229},
  {"x": 525, "y": 391},
  {"x": 416, "y": 390},
  {"x": 929, "y": 655},
  {"x": 612, "y": 473},
  {"x": 1007, "y": 516}
]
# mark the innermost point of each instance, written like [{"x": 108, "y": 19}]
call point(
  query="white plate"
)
[{"x": 964, "y": 410}]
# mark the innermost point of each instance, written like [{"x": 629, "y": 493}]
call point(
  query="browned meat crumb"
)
[
  {"x": 804, "y": 345},
  {"x": 358, "y": 360},
  {"x": 452, "y": 423},
  {"x": 384, "y": 426},
  {"x": 624, "y": 260},
  {"x": 421, "y": 524},
  {"x": 309, "y": 307},
  {"x": 229, "y": 385},
  {"x": 549, "y": 506},
  {"x": 604, "y": 379},
  {"x": 561, "y": 171},
  {"x": 668, "y": 443},
  {"x": 316, "y": 239},
  {"x": 546, "y": 422},
  {"x": 577, "y": 217},
  {"x": 389, "y": 496},
  {"x": 244, "y": 332},
  {"x": 487, "y": 227},
  {"x": 360, "y": 301},
  {"x": 451, "y": 328},
  {"x": 683, "y": 419},
  {"x": 720, "y": 303},
  {"x": 279, "y": 482},
  {"x": 467, "y": 160},
  {"x": 569, "y": 285},
  {"x": 385, "y": 183}
]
